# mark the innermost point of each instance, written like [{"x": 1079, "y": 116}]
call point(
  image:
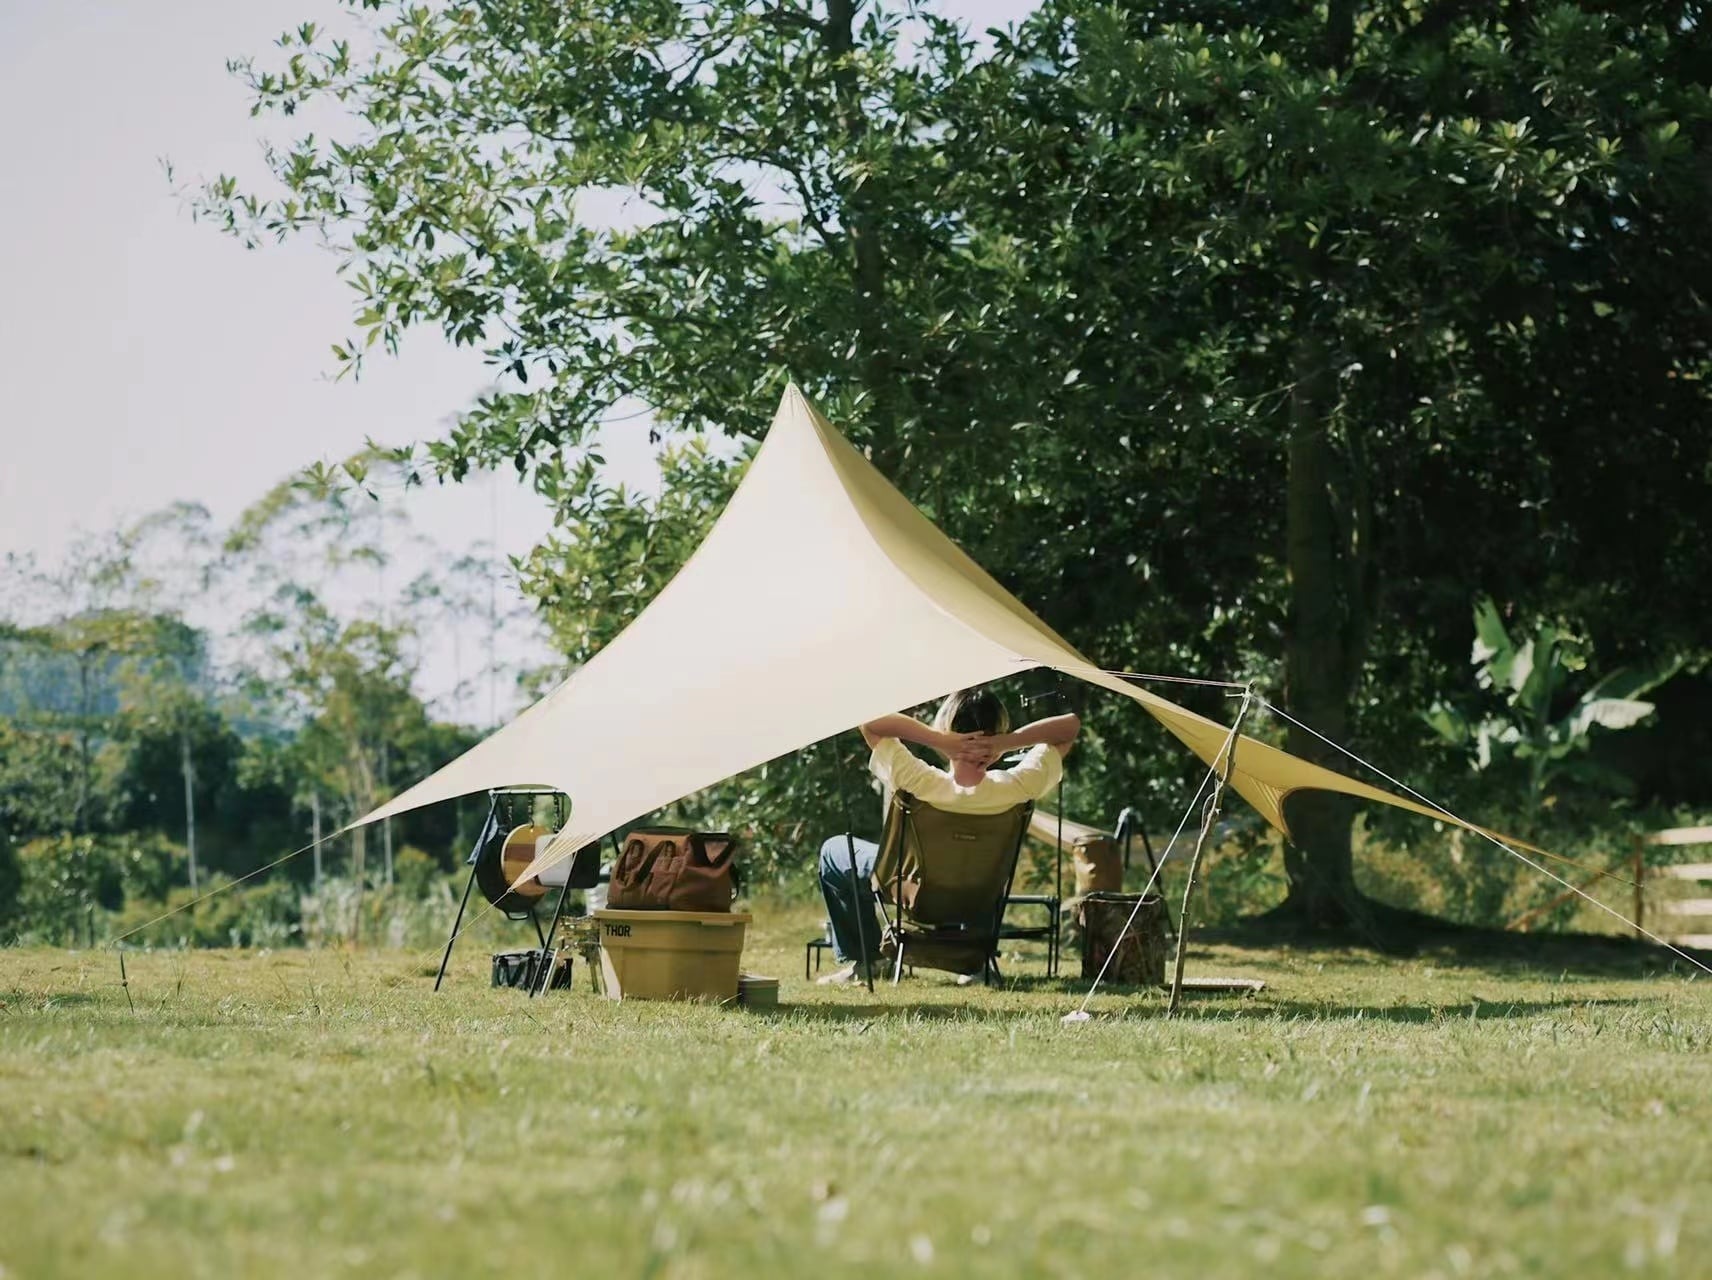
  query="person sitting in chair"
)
[{"x": 971, "y": 731}]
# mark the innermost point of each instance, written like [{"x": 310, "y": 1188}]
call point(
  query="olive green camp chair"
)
[{"x": 942, "y": 880}]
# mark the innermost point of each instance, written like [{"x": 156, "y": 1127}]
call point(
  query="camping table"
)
[{"x": 814, "y": 949}]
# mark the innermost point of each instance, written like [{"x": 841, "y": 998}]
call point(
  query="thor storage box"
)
[{"x": 671, "y": 955}]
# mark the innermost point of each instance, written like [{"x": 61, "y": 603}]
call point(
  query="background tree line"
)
[{"x": 145, "y": 759}]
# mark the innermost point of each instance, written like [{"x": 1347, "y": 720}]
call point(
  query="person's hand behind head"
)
[{"x": 977, "y": 749}]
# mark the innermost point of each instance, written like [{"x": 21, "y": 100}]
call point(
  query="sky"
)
[{"x": 145, "y": 359}]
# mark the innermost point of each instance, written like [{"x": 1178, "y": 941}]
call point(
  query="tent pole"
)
[
  {"x": 1209, "y": 815},
  {"x": 856, "y": 885},
  {"x": 1052, "y": 943}
]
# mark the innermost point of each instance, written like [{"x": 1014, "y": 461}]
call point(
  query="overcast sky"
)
[{"x": 146, "y": 359}]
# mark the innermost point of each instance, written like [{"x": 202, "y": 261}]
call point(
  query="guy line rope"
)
[
  {"x": 1081, "y": 1013},
  {"x": 1515, "y": 853}
]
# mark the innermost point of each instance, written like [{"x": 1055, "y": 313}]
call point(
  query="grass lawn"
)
[{"x": 325, "y": 1114}]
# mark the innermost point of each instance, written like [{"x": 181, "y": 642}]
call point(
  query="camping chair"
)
[{"x": 942, "y": 880}]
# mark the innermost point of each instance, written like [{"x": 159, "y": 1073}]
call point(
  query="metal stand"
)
[
  {"x": 482, "y": 837},
  {"x": 813, "y": 949},
  {"x": 456, "y": 924},
  {"x": 1057, "y": 879},
  {"x": 488, "y": 830},
  {"x": 1050, "y": 932},
  {"x": 558, "y": 915},
  {"x": 1209, "y": 815},
  {"x": 547, "y": 942}
]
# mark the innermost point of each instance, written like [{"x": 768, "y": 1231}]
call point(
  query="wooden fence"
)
[{"x": 1682, "y": 921}]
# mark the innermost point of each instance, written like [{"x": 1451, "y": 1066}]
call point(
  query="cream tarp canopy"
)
[{"x": 819, "y": 600}]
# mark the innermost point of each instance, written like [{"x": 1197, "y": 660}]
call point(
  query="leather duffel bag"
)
[{"x": 665, "y": 869}]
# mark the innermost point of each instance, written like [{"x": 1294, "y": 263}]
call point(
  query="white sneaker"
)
[{"x": 845, "y": 976}]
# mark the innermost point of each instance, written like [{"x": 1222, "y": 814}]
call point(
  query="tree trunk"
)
[
  {"x": 867, "y": 260},
  {"x": 315, "y": 834},
  {"x": 189, "y": 806},
  {"x": 1318, "y": 661},
  {"x": 80, "y": 815}
]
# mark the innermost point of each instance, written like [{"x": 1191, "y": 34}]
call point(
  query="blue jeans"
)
[{"x": 850, "y": 908}]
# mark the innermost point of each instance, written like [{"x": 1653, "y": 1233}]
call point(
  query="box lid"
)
[{"x": 713, "y": 918}]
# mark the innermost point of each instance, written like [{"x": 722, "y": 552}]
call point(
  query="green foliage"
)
[
  {"x": 611, "y": 550},
  {"x": 257, "y": 914},
  {"x": 11, "y": 882},
  {"x": 38, "y": 775},
  {"x": 414, "y": 872},
  {"x": 1546, "y": 726},
  {"x": 416, "y": 915},
  {"x": 114, "y": 714},
  {"x": 344, "y": 686},
  {"x": 69, "y": 883}
]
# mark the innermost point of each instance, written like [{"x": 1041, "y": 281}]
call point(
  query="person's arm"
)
[
  {"x": 909, "y": 729},
  {"x": 1058, "y": 732}
]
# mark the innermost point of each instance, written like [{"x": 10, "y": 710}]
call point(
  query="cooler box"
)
[{"x": 671, "y": 955}]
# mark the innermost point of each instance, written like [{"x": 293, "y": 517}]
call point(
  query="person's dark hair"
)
[{"x": 973, "y": 711}]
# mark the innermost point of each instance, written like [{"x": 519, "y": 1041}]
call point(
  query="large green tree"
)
[
  {"x": 1431, "y": 270},
  {"x": 1232, "y": 337}
]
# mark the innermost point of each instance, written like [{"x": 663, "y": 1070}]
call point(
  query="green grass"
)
[{"x": 324, "y": 1114}]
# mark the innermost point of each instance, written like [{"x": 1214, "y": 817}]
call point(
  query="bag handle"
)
[
  {"x": 653, "y": 851},
  {"x": 723, "y": 854},
  {"x": 715, "y": 848}
]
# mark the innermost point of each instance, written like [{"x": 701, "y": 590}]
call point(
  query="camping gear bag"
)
[
  {"x": 666, "y": 869},
  {"x": 523, "y": 969},
  {"x": 1140, "y": 958}
]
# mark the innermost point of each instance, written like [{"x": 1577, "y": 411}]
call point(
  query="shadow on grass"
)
[
  {"x": 1473, "y": 1010},
  {"x": 43, "y": 1001},
  {"x": 868, "y": 1013},
  {"x": 1147, "y": 1003},
  {"x": 1396, "y": 934}
]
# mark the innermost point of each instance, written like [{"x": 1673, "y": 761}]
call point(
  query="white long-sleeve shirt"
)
[{"x": 1001, "y": 789}]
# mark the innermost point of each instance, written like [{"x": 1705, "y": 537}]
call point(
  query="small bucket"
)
[{"x": 756, "y": 992}]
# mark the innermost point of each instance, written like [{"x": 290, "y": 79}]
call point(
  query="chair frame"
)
[{"x": 897, "y": 930}]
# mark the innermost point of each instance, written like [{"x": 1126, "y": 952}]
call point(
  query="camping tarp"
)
[{"x": 819, "y": 600}]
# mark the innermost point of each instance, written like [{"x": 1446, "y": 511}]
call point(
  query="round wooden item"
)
[
  {"x": 501, "y": 860},
  {"x": 517, "y": 853}
]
